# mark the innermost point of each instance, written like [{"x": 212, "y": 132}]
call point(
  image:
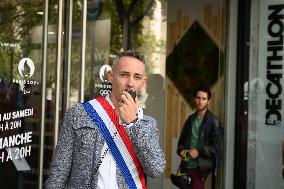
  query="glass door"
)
[
  {"x": 54, "y": 54},
  {"x": 259, "y": 125},
  {"x": 20, "y": 92},
  {"x": 265, "y": 152}
]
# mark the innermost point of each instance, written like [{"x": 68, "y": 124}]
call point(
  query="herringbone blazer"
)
[{"x": 77, "y": 155}]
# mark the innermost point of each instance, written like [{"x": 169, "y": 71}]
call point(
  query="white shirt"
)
[{"x": 107, "y": 169}]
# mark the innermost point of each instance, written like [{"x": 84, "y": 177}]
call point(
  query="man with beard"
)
[
  {"x": 200, "y": 140},
  {"x": 107, "y": 142}
]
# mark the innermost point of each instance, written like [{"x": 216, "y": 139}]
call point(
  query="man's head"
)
[
  {"x": 128, "y": 72},
  {"x": 129, "y": 53},
  {"x": 202, "y": 96}
]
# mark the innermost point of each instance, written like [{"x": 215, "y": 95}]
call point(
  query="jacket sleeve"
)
[
  {"x": 145, "y": 138},
  {"x": 184, "y": 136},
  {"x": 211, "y": 149},
  {"x": 62, "y": 158}
]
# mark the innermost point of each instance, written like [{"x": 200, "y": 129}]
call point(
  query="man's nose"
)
[{"x": 130, "y": 82}]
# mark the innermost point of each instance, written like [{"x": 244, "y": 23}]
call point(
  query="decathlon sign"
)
[
  {"x": 274, "y": 64},
  {"x": 266, "y": 110}
]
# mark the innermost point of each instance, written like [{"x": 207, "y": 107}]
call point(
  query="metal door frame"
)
[{"x": 65, "y": 11}]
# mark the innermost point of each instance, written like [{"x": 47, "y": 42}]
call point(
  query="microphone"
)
[{"x": 132, "y": 93}]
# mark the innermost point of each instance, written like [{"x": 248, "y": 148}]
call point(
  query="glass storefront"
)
[
  {"x": 259, "y": 153},
  {"x": 265, "y": 152},
  {"x": 83, "y": 37},
  {"x": 195, "y": 57},
  {"x": 20, "y": 93},
  {"x": 55, "y": 53}
]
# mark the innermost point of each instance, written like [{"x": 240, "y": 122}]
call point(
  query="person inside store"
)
[
  {"x": 200, "y": 140},
  {"x": 108, "y": 142}
]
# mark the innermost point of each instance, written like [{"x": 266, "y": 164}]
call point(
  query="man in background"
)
[{"x": 200, "y": 140}]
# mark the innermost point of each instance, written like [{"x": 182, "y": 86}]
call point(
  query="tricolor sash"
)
[{"x": 114, "y": 134}]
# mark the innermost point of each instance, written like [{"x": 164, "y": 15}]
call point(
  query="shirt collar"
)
[{"x": 109, "y": 101}]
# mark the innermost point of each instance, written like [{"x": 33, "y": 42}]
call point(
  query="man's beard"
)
[{"x": 200, "y": 110}]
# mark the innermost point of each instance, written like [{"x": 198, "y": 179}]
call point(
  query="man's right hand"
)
[{"x": 127, "y": 108}]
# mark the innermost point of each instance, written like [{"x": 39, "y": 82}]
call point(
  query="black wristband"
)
[{"x": 134, "y": 121}]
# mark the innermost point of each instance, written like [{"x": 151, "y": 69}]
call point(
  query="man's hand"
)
[
  {"x": 127, "y": 108},
  {"x": 193, "y": 153}
]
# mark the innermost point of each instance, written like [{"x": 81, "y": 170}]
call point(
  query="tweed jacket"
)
[{"x": 77, "y": 156}]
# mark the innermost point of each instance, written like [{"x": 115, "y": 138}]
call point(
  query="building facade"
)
[{"x": 55, "y": 53}]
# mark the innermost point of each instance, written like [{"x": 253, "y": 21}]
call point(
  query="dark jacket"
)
[{"x": 209, "y": 142}]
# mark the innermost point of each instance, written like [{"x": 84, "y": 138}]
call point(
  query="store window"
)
[
  {"x": 195, "y": 57},
  {"x": 20, "y": 86},
  {"x": 113, "y": 26},
  {"x": 116, "y": 25},
  {"x": 21, "y": 49},
  {"x": 265, "y": 153}
]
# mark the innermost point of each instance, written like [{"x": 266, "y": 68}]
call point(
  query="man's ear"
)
[
  {"x": 144, "y": 82},
  {"x": 110, "y": 76}
]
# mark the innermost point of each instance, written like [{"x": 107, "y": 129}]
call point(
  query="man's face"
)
[
  {"x": 129, "y": 73},
  {"x": 201, "y": 101}
]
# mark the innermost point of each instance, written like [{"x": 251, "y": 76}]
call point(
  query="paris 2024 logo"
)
[{"x": 26, "y": 69}]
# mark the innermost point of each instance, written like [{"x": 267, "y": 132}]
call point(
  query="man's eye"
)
[{"x": 137, "y": 77}]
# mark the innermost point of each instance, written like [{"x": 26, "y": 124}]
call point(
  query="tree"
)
[{"x": 130, "y": 14}]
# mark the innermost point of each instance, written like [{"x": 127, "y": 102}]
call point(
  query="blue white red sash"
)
[{"x": 121, "y": 147}]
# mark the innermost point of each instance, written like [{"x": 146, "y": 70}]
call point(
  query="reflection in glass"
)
[{"x": 20, "y": 83}]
